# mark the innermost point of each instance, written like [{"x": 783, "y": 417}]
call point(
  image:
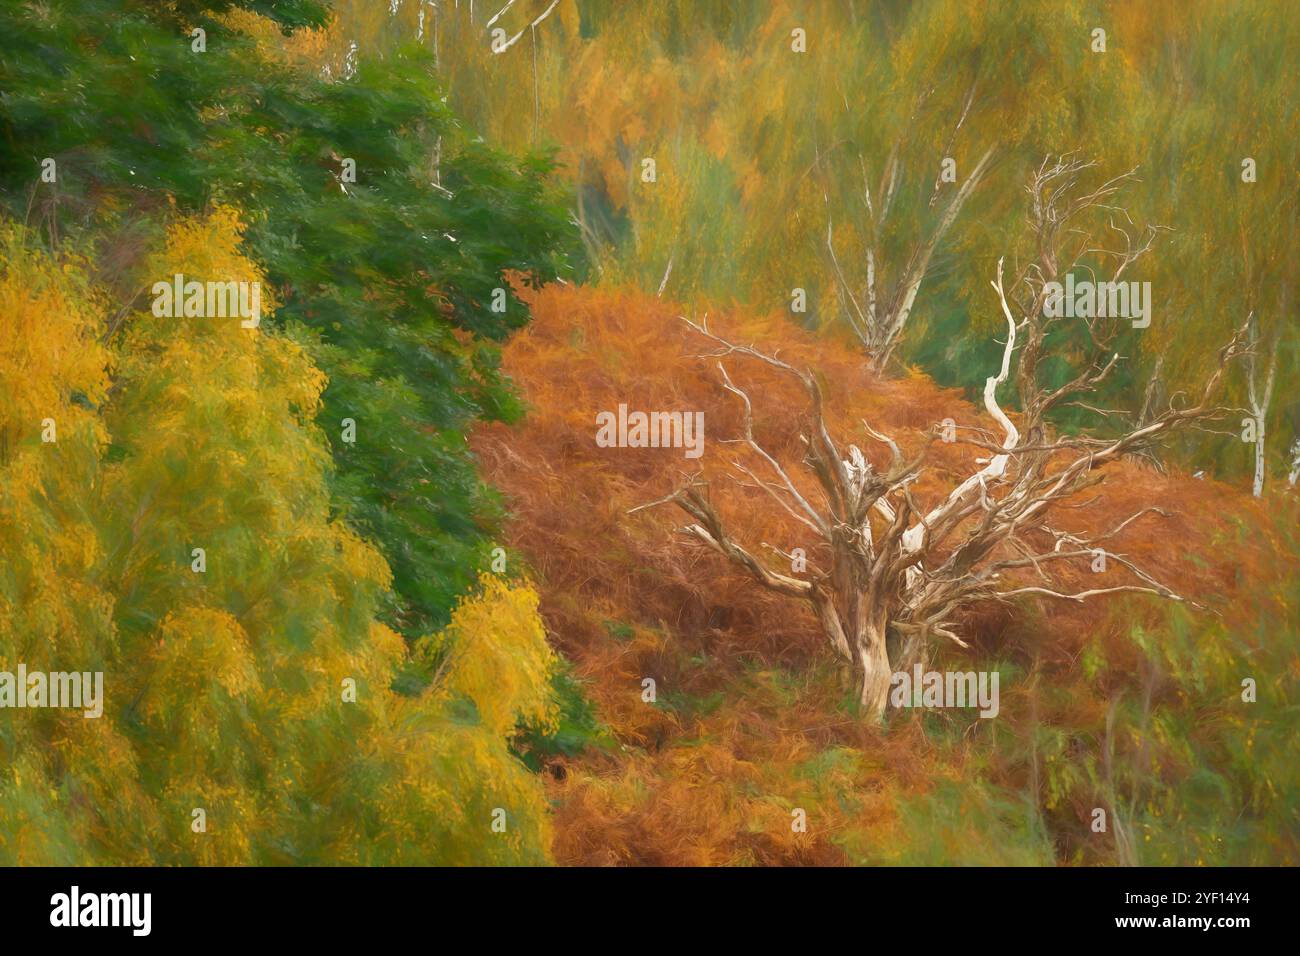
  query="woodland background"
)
[{"x": 521, "y": 170}]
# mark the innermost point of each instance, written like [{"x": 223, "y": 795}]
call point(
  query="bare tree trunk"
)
[
  {"x": 879, "y": 315},
  {"x": 1259, "y": 401},
  {"x": 873, "y": 658},
  {"x": 899, "y": 567},
  {"x": 1258, "y": 488},
  {"x": 1259, "y": 409},
  {"x": 867, "y": 652}
]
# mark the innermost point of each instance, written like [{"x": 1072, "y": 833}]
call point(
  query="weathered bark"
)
[
  {"x": 873, "y": 659},
  {"x": 862, "y": 643},
  {"x": 898, "y": 568}
]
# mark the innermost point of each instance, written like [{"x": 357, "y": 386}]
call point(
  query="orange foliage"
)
[{"x": 748, "y": 693}]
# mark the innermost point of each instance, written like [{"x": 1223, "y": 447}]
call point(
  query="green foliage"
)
[
  {"x": 225, "y": 688},
  {"x": 619, "y": 631},
  {"x": 257, "y": 690},
  {"x": 1217, "y": 783},
  {"x": 760, "y": 148},
  {"x": 577, "y": 729},
  {"x": 969, "y": 823},
  {"x": 1155, "y": 730},
  {"x": 332, "y": 561},
  {"x": 394, "y": 275}
]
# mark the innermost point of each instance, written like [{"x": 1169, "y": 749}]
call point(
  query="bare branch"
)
[{"x": 897, "y": 567}]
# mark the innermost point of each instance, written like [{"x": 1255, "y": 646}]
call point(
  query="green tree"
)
[
  {"x": 405, "y": 277},
  {"x": 254, "y": 685}
]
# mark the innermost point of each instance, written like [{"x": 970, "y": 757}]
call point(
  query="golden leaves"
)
[
  {"x": 50, "y": 350},
  {"x": 225, "y": 689},
  {"x": 498, "y": 657}
]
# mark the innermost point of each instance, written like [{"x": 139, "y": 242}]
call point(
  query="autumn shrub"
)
[{"x": 753, "y": 719}]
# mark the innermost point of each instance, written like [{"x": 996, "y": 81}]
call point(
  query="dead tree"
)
[
  {"x": 879, "y": 311},
  {"x": 900, "y": 569}
]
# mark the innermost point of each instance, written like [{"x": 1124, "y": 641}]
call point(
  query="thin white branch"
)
[
  {"x": 497, "y": 16},
  {"x": 997, "y": 465},
  {"x": 515, "y": 39}
]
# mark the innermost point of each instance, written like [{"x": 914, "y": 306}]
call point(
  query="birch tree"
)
[
  {"x": 878, "y": 311},
  {"x": 1260, "y": 396}
]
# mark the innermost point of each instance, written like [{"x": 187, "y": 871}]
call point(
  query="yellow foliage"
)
[
  {"x": 498, "y": 657},
  {"x": 50, "y": 350},
  {"x": 224, "y": 688},
  {"x": 303, "y": 48}
]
